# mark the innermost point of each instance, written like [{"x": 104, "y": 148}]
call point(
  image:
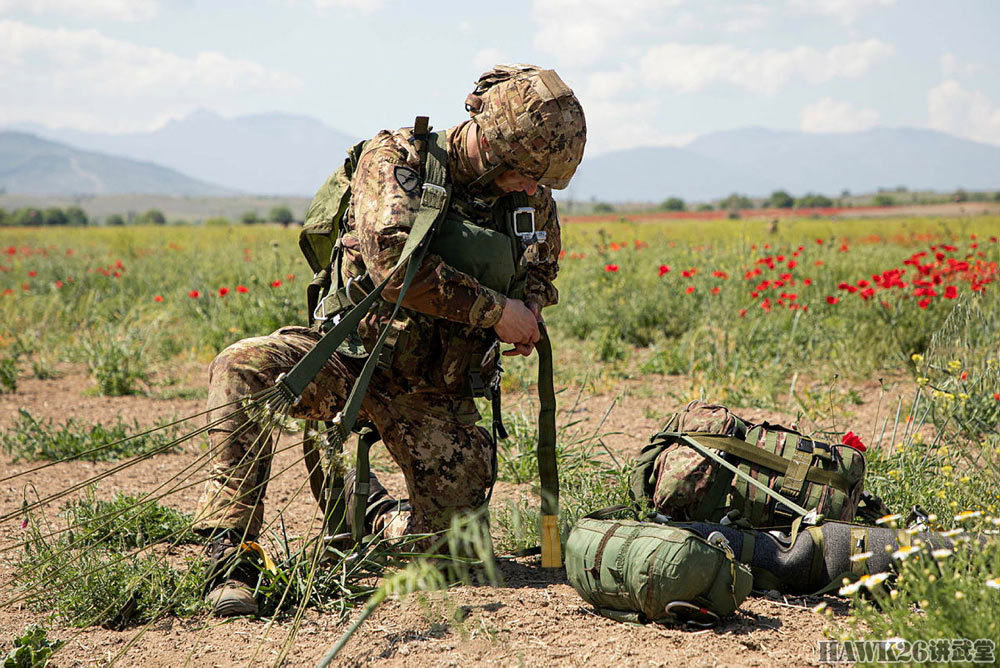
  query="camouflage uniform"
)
[{"x": 422, "y": 405}]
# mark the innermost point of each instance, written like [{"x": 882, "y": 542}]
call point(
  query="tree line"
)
[{"x": 76, "y": 216}]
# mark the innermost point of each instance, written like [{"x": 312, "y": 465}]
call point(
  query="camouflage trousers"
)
[{"x": 446, "y": 459}]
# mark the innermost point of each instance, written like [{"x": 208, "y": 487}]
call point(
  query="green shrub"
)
[
  {"x": 30, "y": 439},
  {"x": 32, "y": 649}
]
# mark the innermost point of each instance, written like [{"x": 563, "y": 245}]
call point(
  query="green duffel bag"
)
[{"x": 641, "y": 571}]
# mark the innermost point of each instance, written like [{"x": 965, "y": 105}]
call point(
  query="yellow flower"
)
[
  {"x": 947, "y": 468},
  {"x": 968, "y": 515},
  {"x": 955, "y": 365},
  {"x": 965, "y": 479},
  {"x": 959, "y": 596},
  {"x": 923, "y": 380},
  {"x": 917, "y": 358}
]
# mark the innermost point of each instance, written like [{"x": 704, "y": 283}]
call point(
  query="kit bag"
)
[
  {"x": 682, "y": 480},
  {"x": 646, "y": 572}
]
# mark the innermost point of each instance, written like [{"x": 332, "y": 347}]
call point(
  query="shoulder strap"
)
[{"x": 548, "y": 471}]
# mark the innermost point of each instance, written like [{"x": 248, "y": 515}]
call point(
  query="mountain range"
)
[
  {"x": 29, "y": 164},
  {"x": 286, "y": 154}
]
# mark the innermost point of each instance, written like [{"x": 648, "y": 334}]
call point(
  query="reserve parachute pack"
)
[
  {"x": 646, "y": 572},
  {"x": 708, "y": 464}
]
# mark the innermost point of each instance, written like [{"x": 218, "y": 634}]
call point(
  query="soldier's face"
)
[{"x": 512, "y": 181}]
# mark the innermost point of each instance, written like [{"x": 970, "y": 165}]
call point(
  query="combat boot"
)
[
  {"x": 383, "y": 514},
  {"x": 232, "y": 577}
]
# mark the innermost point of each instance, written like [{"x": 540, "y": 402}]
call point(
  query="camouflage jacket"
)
[{"x": 450, "y": 315}]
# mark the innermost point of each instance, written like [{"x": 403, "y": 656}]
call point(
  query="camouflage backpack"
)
[{"x": 707, "y": 463}]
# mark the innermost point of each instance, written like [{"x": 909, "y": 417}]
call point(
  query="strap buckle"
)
[{"x": 434, "y": 196}]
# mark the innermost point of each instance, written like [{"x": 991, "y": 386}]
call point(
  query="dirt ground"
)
[{"x": 534, "y": 619}]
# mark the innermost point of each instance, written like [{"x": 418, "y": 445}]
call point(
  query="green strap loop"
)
[{"x": 548, "y": 471}]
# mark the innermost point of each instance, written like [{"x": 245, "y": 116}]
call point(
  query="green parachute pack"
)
[{"x": 646, "y": 572}]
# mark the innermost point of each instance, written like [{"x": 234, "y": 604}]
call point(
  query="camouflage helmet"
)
[{"x": 532, "y": 121}]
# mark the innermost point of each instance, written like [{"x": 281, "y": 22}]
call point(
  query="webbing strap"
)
[
  {"x": 761, "y": 457},
  {"x": 746, "y": 551},
  {"x": 736, "y": 471},
  {"x": 795, "y": 475},
  {"x": 548, "y": 470}
]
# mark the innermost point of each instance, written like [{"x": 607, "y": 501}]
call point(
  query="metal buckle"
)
[
  {"x": 434, "y": 196},
  {"x": 347, "y": 291},
  {"x": 319, "y": 313}
]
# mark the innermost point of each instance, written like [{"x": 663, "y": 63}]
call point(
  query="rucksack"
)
[
  {"x": 642, "y": 571},
  {"x": 707, "y": 464}
]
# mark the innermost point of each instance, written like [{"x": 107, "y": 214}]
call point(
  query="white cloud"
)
[
  {"x": 83, "y": 79},
  {"x": 691, "y": 67},
  {"x": 746, "y": 18},
  {"x": 485, "y": 59},
  {"x": 363, "y": 6},
  {"x": 614, "y": 124},
  {"x": 115, "y": 10},
  {"x": 829, "y": 115},
  {"x": 845, "y": 11},
  {"x": 959, "y": 111},
  {"x": 952, "y": 66},
  {"x": 579, "y": 32}
]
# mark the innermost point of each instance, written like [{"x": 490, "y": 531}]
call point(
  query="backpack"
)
[
  {"x": 642, "y": 571},
  {"x": 707, "y": 464}
]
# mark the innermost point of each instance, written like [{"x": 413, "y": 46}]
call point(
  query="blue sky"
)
[{"x": 647, "y": 72}]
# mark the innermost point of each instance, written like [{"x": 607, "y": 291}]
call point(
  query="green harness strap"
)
[
  {"x": 433, "y": 204},
  {"x": 548, "y": 471}
]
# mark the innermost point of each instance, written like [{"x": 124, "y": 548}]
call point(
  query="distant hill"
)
[
  {"x": 29, "y": 164},
  {"x": 756, "y": 161},
  {"x": 264, "y": 154}
]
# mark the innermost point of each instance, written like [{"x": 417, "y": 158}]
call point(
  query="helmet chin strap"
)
[{"x": 487, "y": 178}]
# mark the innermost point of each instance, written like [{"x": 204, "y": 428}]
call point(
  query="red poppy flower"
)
[
  {"x": 290, "y": 277},
  {"x": 25, "y": 286},
  {"x": 819, "y": 242},
  {"x": 118, "y": 274},
  {"x": 807, "y": 281},
  {"x": 8, "y": 291},
  {"x": 964, "y": 375},
  {"x": 689, "y": 289},
  {"x": 58, "y": 284},
  {"x": 832, "y": 300},
  {"x": 32, "y": 273},
  {"x": 158, "y": 298},
  {"x": 688, "y": 273},
  {"x": 664, "y": 270},
  {"x": 950, "y": 292},
  {"x": 69, "y": 251},
  {"x": 743, "y": 313},
  {"x": 720, "y": 274},
  {"x": 924, "y": 303},
  {"x": 613, "y": 246},
  {"x": 276, "y": 283},
  {"x": 818, "y": 263},
  {"x": 716, "y": 290},
  {"x": 996, "y": 396},
  {"x": 242, "y": 289},
  {"x": 194, "y": 294},
  {"x": 853, "y": 440},
  {"x": 223, "y": 292},
  {"x": 608, "y": 267}
]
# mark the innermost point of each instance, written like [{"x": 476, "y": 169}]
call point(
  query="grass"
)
[
  {"x": 31, "y": 439},
  {"x": 738, "y": 315},
  {"x": 95, "y": 567}
]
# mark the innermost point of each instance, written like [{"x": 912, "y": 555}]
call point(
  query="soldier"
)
[{"x": 526, "y": 136}]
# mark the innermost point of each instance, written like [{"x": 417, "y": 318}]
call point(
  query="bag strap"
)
[
  {"x": 761, "y": 457},
  {"x": 808, "y": 516}
]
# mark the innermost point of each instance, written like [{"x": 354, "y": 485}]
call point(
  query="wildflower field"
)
[{"x": 884, "y": 333}]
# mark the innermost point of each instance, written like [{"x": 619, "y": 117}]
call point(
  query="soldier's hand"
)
[
  {"x": 524, "y": 349},
  {"x": 517, "y": 324}
]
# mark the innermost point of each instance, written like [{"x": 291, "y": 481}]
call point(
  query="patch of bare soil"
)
[{"x": 535, "y": 618}]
